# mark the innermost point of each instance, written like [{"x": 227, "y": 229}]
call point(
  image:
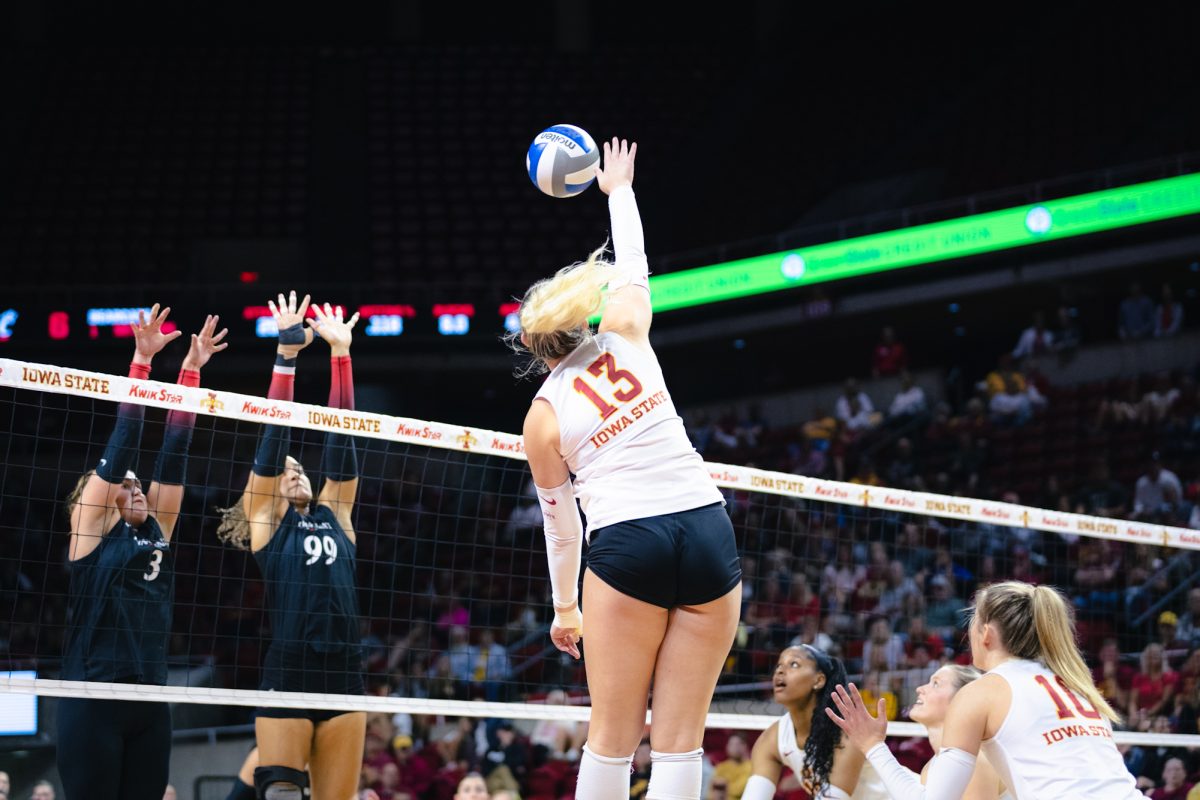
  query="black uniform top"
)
[
  {"x": 119, "y": 607},
  {"x": 308, "y": 567}
]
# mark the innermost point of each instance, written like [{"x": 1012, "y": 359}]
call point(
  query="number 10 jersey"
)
[
  {"x": 621, "y": 436},
  {"x": 1053, "y": 743}
]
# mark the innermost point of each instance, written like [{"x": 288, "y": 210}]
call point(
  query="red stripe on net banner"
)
[{"x": 231, "y": 405}]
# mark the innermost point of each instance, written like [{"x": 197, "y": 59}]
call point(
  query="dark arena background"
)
[{"x": 943, "y": 330}]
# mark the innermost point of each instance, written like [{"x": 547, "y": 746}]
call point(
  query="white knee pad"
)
[
  {"x": 675, "y": 776},
  {"x": 603, "y": 777}
]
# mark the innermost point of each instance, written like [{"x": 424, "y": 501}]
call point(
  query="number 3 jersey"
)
[
  {"x": 1053, "y": 743},
  {"x": 119, "y": 608},
  {"x": 308, "y": 568},
  {"x": 621, "y": 436}
]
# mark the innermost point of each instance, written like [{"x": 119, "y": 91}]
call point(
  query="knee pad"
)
[
  {"x": 675, "y": 776},
  {"x": 280, "y": 783}
]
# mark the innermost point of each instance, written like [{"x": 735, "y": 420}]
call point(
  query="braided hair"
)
[{"x": 823, "y": 736}]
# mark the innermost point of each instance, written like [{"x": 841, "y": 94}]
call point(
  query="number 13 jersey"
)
[
  {"x": 621, "y": 436},
  {"x": 1053, "y": 744}
]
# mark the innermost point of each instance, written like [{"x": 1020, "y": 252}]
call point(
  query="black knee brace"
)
[{"x": 280, "y": 783}]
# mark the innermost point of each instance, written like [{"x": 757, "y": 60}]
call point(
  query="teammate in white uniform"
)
[
  {"x": 805, "y": 740},
  {"x": 1036, "y": 714},
  {"x": 662, "y": 588}
]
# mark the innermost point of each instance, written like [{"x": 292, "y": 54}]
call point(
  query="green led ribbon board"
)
[{"x": 923, "y": 244}]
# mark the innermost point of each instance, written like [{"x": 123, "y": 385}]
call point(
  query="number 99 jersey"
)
[
  {"x": 1053, "y": 743},
  {"x": 621, "y": 436},
  {"x": 308, "y": 568}
]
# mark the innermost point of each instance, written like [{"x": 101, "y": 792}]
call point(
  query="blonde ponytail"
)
[
  {"x": 234, "y": 528},
  {"x": 555, "y": 311},
  {"x": 1054, "y": 623},
  {"x": 1037, "y": 624}
]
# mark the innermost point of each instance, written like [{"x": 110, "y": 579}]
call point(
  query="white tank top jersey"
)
[
  {"x": 621, "y": 436},
  {"x": 1053, "y": 743},
  {"x": 870, "y": 785}
]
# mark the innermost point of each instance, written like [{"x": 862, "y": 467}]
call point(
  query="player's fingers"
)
[
  {"x": 353, "y": 321},
  {"x": 282, "y": 301},
  {"x": 274, "y": 310},
  {"x": 174, "y": 335},
  {"x": 304, "y": 305},
  {"x": 633, "y": 151},
  {"x": 216, "y": 348},
  {"x": 220, "y": 335}
]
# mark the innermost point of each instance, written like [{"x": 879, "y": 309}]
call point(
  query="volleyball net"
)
[{"x": 453, "y": 590}]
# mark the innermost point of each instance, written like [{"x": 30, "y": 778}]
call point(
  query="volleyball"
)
[{"x": 562, "y": 160}]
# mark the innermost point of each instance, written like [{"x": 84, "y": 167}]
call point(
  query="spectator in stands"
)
[
  {"x": 865, "y": 474},
  {"x": 1097, "y": 592},
  {"x": 526, "y": 515},
  {"x": 1174, "y": 648},
  {"x": 909, "y": 404},
  {"x": 1168, "y": 315},
  {"x": 1135, "y": 318},
  {"x": 1100, "y": 495},
  {"x": 855, "y": 410},
  {"x": 1112, "y": 678},
  {"x": 1035, "y": 340},
  {"x": 804, "y": 459},
  {"x": 1157, "y": 402},
  {"x": 890, "y": 356},
  {"x": 735, "y": 770},
  {"x": 1153, "y": 686},
  {"x": 1189, "y": 624},
  {"x": 1011, "y": 398},
  {"x": 750, "y": 426},
  {"x": 944, "y": 614},
  {"x": 555, "y": 740},
  {"x": 905, "y": 471},
  {"x": 883, "y": 649},
  {"x": 1067, "y": 336},
  {"x": 463, "y": 655},
  {"x": 492, "y": 667},
  {"x": 967, "y": 462},
  {"x": 505, "y": 760},
  {"x": 900, "y": 588},
  {"x": 1157, "y": 493},
  {"x": 1175, "y": 785},
  {"x": 471, "y": 787},
  {"x": 1148, "y": 761},
  {"x": 42, "y": 790}
]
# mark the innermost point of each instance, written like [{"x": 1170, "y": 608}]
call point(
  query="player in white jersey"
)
[
  {"x": 663, "y": 586},
  {"x": 1036, "y": 715},
  {"x": 804, "y": 739}
]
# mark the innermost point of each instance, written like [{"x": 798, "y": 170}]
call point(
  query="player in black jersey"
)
[
  {"x": 306, "y": 552},
  {"x": 122, "y": 586}
]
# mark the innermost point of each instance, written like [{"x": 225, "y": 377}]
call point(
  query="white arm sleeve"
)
[
  {"x": 949, "y": 773},
  {"x": 564, "y": 540},
  {"x": 758, "y": 788},
  {"x": 629, "y": 245}
]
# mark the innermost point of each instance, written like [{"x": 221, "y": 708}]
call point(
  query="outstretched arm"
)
[
  {"x": 96, "y": 510},
  {"x": 261, "y": 495},
  {"x": 170, "y": 471},
  {"x": 339, "y": 461},
  {"x": 950, "y": 771},
  {"x": 628, "y": 310}
]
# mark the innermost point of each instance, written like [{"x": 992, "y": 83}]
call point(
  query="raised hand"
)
[
  {"x": 205, "y": 343},
  {"x": 289, "y": 317},
  {"x": 148, "y": 336},
  {"x": 330, "y": 326},
  {"x": 619, "y": 156},
  {"x": 862, "y": 729}
]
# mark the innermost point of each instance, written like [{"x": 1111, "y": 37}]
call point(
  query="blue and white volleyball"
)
[{"x": 562, "y": 160}]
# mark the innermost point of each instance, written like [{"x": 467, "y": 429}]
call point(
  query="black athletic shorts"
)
[
  {"x": 681, "y": 559},
  {"x": 303, "y": 669}
]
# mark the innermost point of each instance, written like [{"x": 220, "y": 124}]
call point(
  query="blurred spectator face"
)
[
  {"x": 43, "y": 791},
  {"x": 471, "y": 787},
  {"x": 458, "y": 635},
  {"x": 851, "y": 389},
  {"x": 1161, "y": 724},
  {"x": 556, "y": 697},
  {"x": 881, "y": 631},
  {"x": 1109, "y": 651},
  {"x": 736, "y": 748},
  {"x": 389, "y": 776},
  {"x": 1173, "y": 773},
  {"x": 1194, "y": 605},
  {"x": 506, "y": 736},
  {"x": 4, "y": 783},
  {"x": 1152, "y": 658}
]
